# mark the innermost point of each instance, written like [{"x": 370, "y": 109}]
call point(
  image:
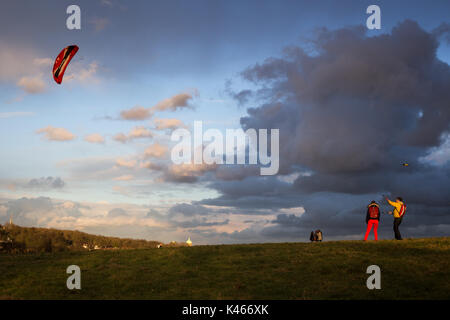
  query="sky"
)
[{"x": 351, "y": 105}]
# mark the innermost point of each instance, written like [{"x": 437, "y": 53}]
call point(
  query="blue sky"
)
[{"x": 139, "y": 54}]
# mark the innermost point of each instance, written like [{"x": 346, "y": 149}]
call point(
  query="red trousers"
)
[{"x": 374, "y": 223}]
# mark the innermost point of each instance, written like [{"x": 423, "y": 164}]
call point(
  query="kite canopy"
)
[{"x": 62, "y": 61}]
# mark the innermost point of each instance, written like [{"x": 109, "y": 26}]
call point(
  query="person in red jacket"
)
[{"x": 372, "y": 219}]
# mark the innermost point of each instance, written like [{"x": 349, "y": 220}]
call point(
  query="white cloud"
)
[
  {"x": 439, "y": 155},
  {"x": 139, "y": 132},
  {"x": 297, "y": 211},
  {"x": 68, "y": 214},
  {"x": 56, "y": 134},
  {"x": 163, "y": 124},
  {"x": 19, "y": 66},
  {"x": 16, "y": 62},
  {"x": 43, "y": 62},
  {"x": 82, "y": 74},
  {"x": 136, "y": 113},
  {"x": 94, "y": 138},
  {"x": 156, "y": 150},
  {"x": 32, "y": 84},
  {"x": 120, "y": 137},
  {"x": 126, "y": 163},
  {"x": 173, "y": 103},
  {"x": 135, "y": 133}
]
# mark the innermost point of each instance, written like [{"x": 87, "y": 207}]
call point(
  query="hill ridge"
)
[{"x": 17, "y": 239}]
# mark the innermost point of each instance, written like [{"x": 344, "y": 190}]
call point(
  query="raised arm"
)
[{"x": 392, "y": 203}]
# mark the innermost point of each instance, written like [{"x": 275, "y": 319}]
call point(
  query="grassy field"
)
[{"x": 410, "y": 269}]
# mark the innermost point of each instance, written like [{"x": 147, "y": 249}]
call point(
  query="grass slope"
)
[{"x": 410, "y": 269}]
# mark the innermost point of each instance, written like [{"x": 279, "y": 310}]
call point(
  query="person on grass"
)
[
  {"x": 399, "y": 211},
  {"x": 372, "y": 219}
]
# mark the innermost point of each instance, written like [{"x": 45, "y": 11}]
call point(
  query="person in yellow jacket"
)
[{"x": 399, "y": 211}]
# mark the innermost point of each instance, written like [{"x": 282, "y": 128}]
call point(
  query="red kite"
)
[{"x": 62, "y": 61}]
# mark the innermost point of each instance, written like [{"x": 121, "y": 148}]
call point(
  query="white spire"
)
[{"x": 189, "y": 242}]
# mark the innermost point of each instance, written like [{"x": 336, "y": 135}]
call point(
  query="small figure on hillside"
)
[
  {"x": 372, "y": 219},
  {"x": 316, "y": 236}
]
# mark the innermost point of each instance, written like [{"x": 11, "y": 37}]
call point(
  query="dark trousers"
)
[{"x": 397, "y": 222}]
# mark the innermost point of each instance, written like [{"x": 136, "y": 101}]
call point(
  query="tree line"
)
[{"x": 17, "y": 239}]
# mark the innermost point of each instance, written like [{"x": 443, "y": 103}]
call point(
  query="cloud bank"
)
[{"x": 350, "y": 109}]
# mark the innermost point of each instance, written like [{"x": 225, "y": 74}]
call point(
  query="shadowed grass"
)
[{"x": 410, "y": 269}]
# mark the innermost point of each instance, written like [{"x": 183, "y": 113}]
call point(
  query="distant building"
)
[{"x": 189, "y": 242}]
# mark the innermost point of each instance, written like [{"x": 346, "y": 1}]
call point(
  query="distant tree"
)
[{"x": 52, "y": 240}]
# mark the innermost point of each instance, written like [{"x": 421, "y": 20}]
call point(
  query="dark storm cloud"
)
[
  {"x": 46, "y": 183},
  {"x": 196, "y": 209},
  {"x": 262, "y": 186},
  {"x": 195, "y": 223},
  {"x": 443, "y": 31},
  {"x": 359, "y": 104},
  {"x": 188, "y": 210},
  {"x": 351, "y": 110},
  {"x": 429, "y": 186},
  {"x": 242, "y": 97},
  {"x": 254, "y": 193},
  {"x": 233, "y": 172},
  {"x": 189, "y": 216}
]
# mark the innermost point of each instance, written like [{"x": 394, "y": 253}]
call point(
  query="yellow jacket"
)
[{"x": 397, "y": 207}]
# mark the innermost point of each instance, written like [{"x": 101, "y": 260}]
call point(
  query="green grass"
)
[{"x": 410, "y": 269}]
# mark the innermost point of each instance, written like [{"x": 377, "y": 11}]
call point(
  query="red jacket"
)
[{"x": 373, "y": 212}]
